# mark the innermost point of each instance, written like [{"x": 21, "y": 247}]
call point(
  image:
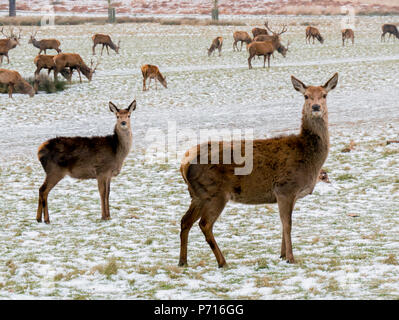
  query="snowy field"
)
[{"x": 345, "y": 235}]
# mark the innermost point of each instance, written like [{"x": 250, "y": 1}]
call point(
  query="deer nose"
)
[
  {"x": 123, "y": 123},
  {"x": 316, "y": 107}
]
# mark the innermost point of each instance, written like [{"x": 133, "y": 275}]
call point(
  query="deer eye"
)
[
  {"x": 306, "y": 96},
  {"x": 324, "y": 96}
]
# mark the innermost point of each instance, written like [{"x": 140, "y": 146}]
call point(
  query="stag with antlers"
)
[
  {"x": 74, "y": 62},
  {"x": 11, "y": 41},
  {"x": 44, "y": 44}
]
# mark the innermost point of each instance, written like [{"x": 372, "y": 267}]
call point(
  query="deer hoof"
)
[
  {"x": 39, "y": 220},
  {"x": 182, "y": 264}
]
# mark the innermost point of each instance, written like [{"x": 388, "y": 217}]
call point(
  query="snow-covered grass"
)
[{"x": 345, "y": 235}]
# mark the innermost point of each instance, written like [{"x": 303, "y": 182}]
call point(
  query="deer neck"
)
[
  {"x": 124, "y": 142},
  {"x": 36, "y": 43}
]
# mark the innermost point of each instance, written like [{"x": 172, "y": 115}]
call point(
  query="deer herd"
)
[{"x": 285, "y": 168}]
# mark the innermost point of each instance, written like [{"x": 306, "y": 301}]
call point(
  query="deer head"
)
[
  {"x": 118, "y": 47},
  {"x": 12, "y": 36},
  {"x": 122, "y": 116},
  {"x": 92, "y": 70},
  {"x": 32, "y": 37}
]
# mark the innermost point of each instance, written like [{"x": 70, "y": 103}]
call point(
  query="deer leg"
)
[
  {"x": 80, "y": 77},
  {"x": 209, "y": 214},
  {"x": 286, "y": 205},
  {"x": 93, "y": 48},
  {"x": 144, "y": 88},
  {"x": 107, "y": 49},
  {"x": 268, "y": 61},
  {"x": 241, "y": 46},
  {"x": 10, "y": 89},
  {"x": 8, "y": 59},
  {"x": 49, "y": 183},
  {"x": 102, "y": 189},
  {"x": 264, "y": 61},
  {"x": 234, "y": 45},
  {"x": 191, "y": 216},
  {"x": 102, "y": 49},
  {"x": 108, "y": 189}
]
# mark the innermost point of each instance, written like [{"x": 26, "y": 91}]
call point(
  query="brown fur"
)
[
  {"x": 217, "y": 43},
  {"x": 45, "y": 61},
  {"x": 98, "y": 158},
  {"x": 312, "y": 32},
  {"x": 346, "y": 35},
  {"x": 14, "y": 81},
  {"x": 240, "y": 36},
  {"x": 106, "y": 41},
  {"x": 285, "y": 169},
  {"x": 259, "y": 31},
  {"x": 391, "y": 29},
  {"x": 45, "y": 44},
  {"x": 11, "y": 41},
  {"x": 152, "y": 72},
  {"x": 74, "y": 62}
]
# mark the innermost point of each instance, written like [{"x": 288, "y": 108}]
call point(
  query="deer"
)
[
  {"x": 75, "y": 62},
  {"x": 11, "y": 41},
  {"x": 346, "y": 35},
  {"x": 284, "y": 169},
  {"x": 258, "y": 31},
  {"x": 312, "y": 32},
  {"x": 266, "y": 48},
  {"x": 152, "y": 72},
  {"x": 216, "y": 44},
  {"x": 45, "y": 44},
  {"x": 391, "y": 29},
  {"x": 84, "y": 158},
  {"x": 323, "y": 177},
  {"x": 15, "y": 82},
  {"x": 45, "y": 61},
  {"x": 106, "y": 41},
  {"x": 241, "y": 36}
]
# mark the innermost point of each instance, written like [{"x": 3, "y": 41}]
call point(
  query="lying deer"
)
[
  {"x": 152, "y": 72},
  {"x": 45, "y": 61},
  {"x": 346, "y": 35},
  {"x": 266, "y": 48},
  {"x": 11, "y": 41},
  {"x": 216, "y": 44},
  {"x": 15, "y": 82},
  {"x": 284, "y": 169},
  {"x": 106, "y": 41},
  {"x": 240, "y": 36},
  {"x": 45, "y": 44},
  {"x": 98, "y": 158},
  {"x": 75, "y": 62},
  {"x": 391, "y": 29},
  {"x": 312, "y": 32}
]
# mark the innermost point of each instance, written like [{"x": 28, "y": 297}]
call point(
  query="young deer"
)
[
  {"x": 312, "y": 32},
  {"x": 98, "y": 158},
  {"x": 44, "y": 44},
  {"x": 241, "y": 36},
  {"x": 216, "y": 44},
  {"x": 75, "y": 62},
  {"x": 106, "y": 41},
  {"x": 346, "y": 35},
  {"x": 152, "y": 72},
  {"x": 284, "y": 169},
  {"x": 11, "y": 41},
  {"x": 14, "y": 81}
]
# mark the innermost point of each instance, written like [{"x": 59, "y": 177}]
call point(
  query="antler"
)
[
  {"x": 283, "y": 30},
  {"x": 2, "y": 31},
  {"x": 91, "y": 65}
]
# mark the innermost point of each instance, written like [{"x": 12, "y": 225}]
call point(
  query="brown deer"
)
[
  {"x": 98, "y": 158},
  {"x": 216, "y": 44},
  {"x": 11, "y": 41},
  {"x": 266, "y": 48},
  {"x": 106, "y": 41},
  {"x": 44, "y": 44},
  {"x": 258, "y": 31},
  {"x": 75, "y": 62},
  {"x": 346, "y": 35},
  {"x": 323, "y": 176},
  {"x": 241, "y": 36},
  {"x": 15, "y": 82},
  {"x": 391, "y": 29},
  {"x": 312, "y": 32},
  {"x": 45, "y": 61},
  {"x": 284, "y": 169},
  {"x": 152, "y": 72}
]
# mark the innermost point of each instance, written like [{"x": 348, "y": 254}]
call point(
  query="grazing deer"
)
[
  {"x": 75, "y": 62},
  {"x": 106, "y": 41},
  {"x": 312, "y": 32},
  {"x": 152, "y": 72},
  {"x": 346, "y": 35},
  {"x": 15, "y": 82},
  {"x": 266, "y": 48},
  {"x": 241, "y": 36},
  {"x": 216, "y": 44},
  {"x": 98, "y": 158},
  {"x": 44, "y": 44},
  {"x": 11, "y": 41},
  {"x": 323, "y": 176},
  {"x": 258, "y": 31},
  {"x": 391, "y": 29},
  {"x": 45, "y": 61},
  {"x": 284, "y": 169}
]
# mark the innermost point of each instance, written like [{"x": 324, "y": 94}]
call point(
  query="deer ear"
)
[
  {"x": 298, "y": 85},
  {"x": 132, "y": 106},
  {"x": 113, "y": 108},
  {"x": 332, "y": 83}
]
